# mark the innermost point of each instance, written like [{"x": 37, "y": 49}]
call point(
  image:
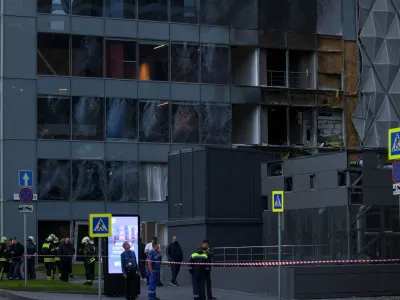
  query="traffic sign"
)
[
  {"x": 277, "y": 201},
  {"x": 396, "y": 171},
  {"x": 25, "y": 195},
  {"x": 25, "y": 178},
  {"x": 25, "y": 208},
  {"x": 100, "y": 225},
  {"x": 394, "y": 143}
]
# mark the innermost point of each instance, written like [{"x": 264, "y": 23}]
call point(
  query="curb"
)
[{"x": 11, "y": 296}]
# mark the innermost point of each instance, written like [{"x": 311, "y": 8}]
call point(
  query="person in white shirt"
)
[{"x": 147, "y": 249}]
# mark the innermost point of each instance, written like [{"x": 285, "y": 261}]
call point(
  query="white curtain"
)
[{"x": 156, "y": 180}]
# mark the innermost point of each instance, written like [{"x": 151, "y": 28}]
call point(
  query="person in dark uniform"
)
[
  {"x": 198, "y": 265},
  {"x": 57, "y": 259},
  {"x": 17, "y": 251},
  {"x": 10, "y": 263},
  {"x": 4, "y": 257},
  {"x": 31, "y": 251},
  {"x": 66, "y": 251},
  {"x": 205, "y": 245},
  {"x": 142, "y": 260},
  {"x": 130, "y": 270},
  {"x": 89, "y": 252}
]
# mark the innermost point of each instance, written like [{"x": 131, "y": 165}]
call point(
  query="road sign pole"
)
[
  {"x": 279, "y": 253},
  {"x": 99, "y": 262},
  {"x": 25, "y": 256}
]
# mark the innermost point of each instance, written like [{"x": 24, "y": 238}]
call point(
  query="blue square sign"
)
[
  {"x": 100, "y": 225},
  {"x": 25, "y": 178}
]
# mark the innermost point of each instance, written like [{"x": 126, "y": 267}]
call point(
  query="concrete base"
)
[{"x": 307, "y": 282}]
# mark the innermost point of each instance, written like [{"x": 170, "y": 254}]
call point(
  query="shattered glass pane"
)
[
  {"x": 185, "y": 62},
  {"x": 88, "y": 118},
  {"x": 122, "y": 181},
  {"x": 87, "y": 56},
  {"x": 185, "y": 11},
  {"x": 54, "y": 179},
  {"x": 154, "y": 121},
  {"x": 53, "y": 117},
  {"x": 185, "y": 123},
  {"x": 216, "y": 123},
  {"x": 215, "y": 64},
  {"x": 153, "y": 182},
  {"x": 53, "y": 54},
  {"x": 153, "y": 61},
  {"x": 121, "y": 118},
  {"x": 88, "y": 180}
]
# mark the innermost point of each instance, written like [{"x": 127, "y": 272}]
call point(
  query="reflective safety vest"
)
[
  {"x": 4, "y": 254},
  {"x": 47, "y": 249}
]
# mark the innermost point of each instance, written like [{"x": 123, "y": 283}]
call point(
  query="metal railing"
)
[
  {"x": 297, "y": 80},
  {"x": 270, "y": 253}
]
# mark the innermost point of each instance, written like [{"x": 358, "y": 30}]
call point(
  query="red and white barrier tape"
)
[{"x": 261, "y": 264}]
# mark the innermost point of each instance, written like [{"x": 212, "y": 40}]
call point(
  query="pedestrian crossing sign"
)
[
  {"x": 100, "y": 225},
  {"x": 277, "y": 201},
  {"x": 394, "y": 144}
]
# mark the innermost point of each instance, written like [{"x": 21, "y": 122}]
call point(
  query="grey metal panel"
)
[
  {"x": 185, "y": 92},
  {"x": 199, "y": 183},
  {"x": 87, "y": 150},
  {"x": 184, "y": 33},
  {"x": 174, "y": 187},
  {"x": 20, "y": 47},
  {"x": 215, "y": 93},
  {"x": 153, "y": 211},
  {"x": 87, "y": 26},
  {"x": 121, "y": 88},
  {"x": 80, "y": 210},
  {"x": 153, "y": 90},
  {"x": 326, "y": 180},
  {"x": 214, "y": 35},
  {"x": 377, "y": 178},
  {"x": 121, "y": 28},
  {"x": 20, "y": 155},
  {"x": 122, "y": 151},
  {"x": 20, "y": 109},
  {"x": 87, "y": 87},
  {"x": 264, "y": 171},
  {"x": 53, "y": 23},
  {"x": 50, "y": 85},
  {"x": 381, "y": 196},
  {"x": 329, "y": 17},
  {"x": 243, "y": 37},
  {"x": 301, "y": 183},
  {"x": 129, "y": 208},
  {"x": 153, "y": 30},
  {"x": 14, "y": 221},
  {"x": 316, "y": 198},
  {"x": 54, "y": 149},
  {"x": 177, "y": 147},
  {"x": 54, "y": 210},
  {"x": 23, "y": 8},
  {"x": 349, "y": 17},
  {"x": 270, "y": 184},
  {"x": 315, "y": 164},
  {"x": 245, "y": 94},
  {"x": 186, "y": 169},
  {"x": 153, "y": 152}
]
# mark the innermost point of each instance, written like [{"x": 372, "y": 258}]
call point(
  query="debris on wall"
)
[
  {"x": 302, "y": 98},
  {"x": 330, "y": 62},
  {"x": 332, "y": 99},
  {"x": 351, "y": 92},
  {"x": 330, "y": 128},
  {"x": 275, "y": 96}
]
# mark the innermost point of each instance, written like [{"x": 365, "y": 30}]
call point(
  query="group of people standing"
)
[{"x": 199, "y": 268}]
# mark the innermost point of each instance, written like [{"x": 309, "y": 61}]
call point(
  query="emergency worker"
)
[
  {"x": 48, "y": 251},
  {"x": 57, "y": 259},
  {"x": 4, "y": 257},
  {"x": 154, "y": 266},
  {"x": 10, "y": 263},
  {"x": 31, "y": 251},
  {"x": 89, "y": 252},
  {"x": 198, "y": 267},
  {"x": 205, "y": 245}
]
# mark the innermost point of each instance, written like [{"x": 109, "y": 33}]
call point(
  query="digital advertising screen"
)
[{"x": 124, "y": 229}]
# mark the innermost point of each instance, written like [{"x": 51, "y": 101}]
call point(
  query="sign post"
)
[
  {"x": 100, "y": 226},
  {"x": 26, "y": 197},
  {"x": 278, "y": 207},
  {"x": 394, "y": 154}
]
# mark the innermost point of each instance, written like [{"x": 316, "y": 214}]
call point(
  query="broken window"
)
[
  {"x": 93, "y": 8},
  {"x": 185, "y": 123},
  {"x": 54, "y": 179},
  {"x": 153, "y": 10},
  {"x": 245, "y": 124},
  {"x": 186, "y": 11},
  {"x": 244, "y": 62},
  {"x": 153, "y": 61},
  {"x": 288, "y": 184},
  {"x": 53, "y": 54},
  {"x": 277, "y": 126},
  {"x": 87, "y": 56},
  {"x": 301, "y": 69},
  {"x": 121, "y": 117},
  {"x": 88, "y": 180},
  {"x": 275, "y": 169},
  {"x": 216, "y": 123},
  {"x": 273, "y": 67},
  {"x": 121, "y": 59},
  {"x": 120, "y": 9},
  {"x": 215, "y": 64},
  {"x": 302, "y": 130},
  {"x": 122, "y": 180},
  {"x": 330, "y": 128},
  {"x": 154, "y": 121},
  {"x": 185, "y": 62}
]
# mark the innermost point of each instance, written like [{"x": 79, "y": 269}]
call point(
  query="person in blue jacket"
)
[
  {"x": 129, "y": 268},
  {"x": 154, "y": 266}
]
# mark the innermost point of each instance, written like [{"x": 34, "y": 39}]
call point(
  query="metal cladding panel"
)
[
  {"x": 174, "y": 186},
  {"x": 186, "y": 175},
  {"x": 199, "y": 183}
]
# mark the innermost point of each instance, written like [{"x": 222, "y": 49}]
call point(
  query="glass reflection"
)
[
  {"x": 121, "y": 118},
  {"x": 87, "y": 56},
  {"x": 215, "y": 64},
  {"x": 54, "y": 179},
  {"x": 88, "y": 180},
  {"x": 216, "y": 124},
  {"x": 154, "y": 121},
  {"x": 185, "y": 123},
  {"x": 87, "y": 118},
  {"x": 55, "y": 7}
]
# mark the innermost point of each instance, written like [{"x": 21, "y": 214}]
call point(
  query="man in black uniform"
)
[
  {"x": 198, "y": 270},
  {"x": 4, "y": 257},
  {"x": 31, "y": 252},
  {"x": 89, "y": 251}
]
